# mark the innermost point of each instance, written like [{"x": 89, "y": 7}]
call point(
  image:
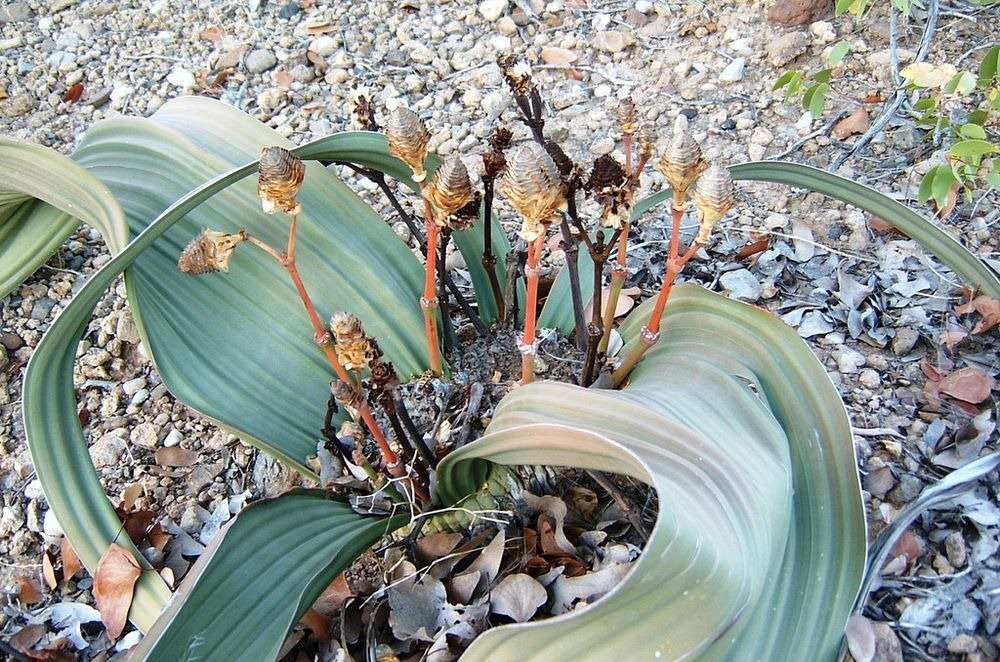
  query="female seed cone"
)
[
  {"x": 354, "y": 349},
  {"x": 408, "y": 138},
  {"x": 627, "y": 117},
  {"x": 450, "y": 190},
  {"x": 280, "y": 176},
  {"x": 714, "y": 196},
  {"x": 209, "y": 251},
  {"x": 681, "y": 163},
  {"x": 534, "y": 188}
]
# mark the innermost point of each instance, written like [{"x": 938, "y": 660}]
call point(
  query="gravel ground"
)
[{"x": 877, "y": 311}]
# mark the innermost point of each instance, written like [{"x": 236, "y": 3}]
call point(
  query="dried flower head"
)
[
  {"x": 364, "y": 111},
  {"x": 493, "y": 160},
  {"x": 713, "y": 197},
  {"x": 350, "y": 433},
  {"x": 408, "y": 137},
  {"x": 209, "y": 251},
  {"x": 647, "y": 142},
  {"x": 627, "y": 117},
  {"x": 280, "y": 176},
  {"x": 517, "y": 73},
  {"x": 609, "y": 184},
  {"x": 500, "y": 140},
  {"x": 532, "y": 185},
  {"x": 564, "y": 164},
  {"x": 465, "y": 218},
  {"x": 354, "y": 348},
  {"x": 681, "y": 163},
  {"x": 450, "y": 190}
]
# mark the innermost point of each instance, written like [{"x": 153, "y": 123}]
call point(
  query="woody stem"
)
[
  {"x": 531, "y": 303},
  {"x": 429, "y": 301},
  {"x": 618, "y": 273}
]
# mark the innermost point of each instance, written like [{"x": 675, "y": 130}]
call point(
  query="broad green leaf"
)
[
  {"x": 972, "y": 131},
  {"x": 934, "y": 240},
  {"x": 823, "y": 76},
  {"x": 989, "y": 67},
  {"x": 970, "y": 149},
  {"x": 259, "y": 576},
  {"x": 815, "y": 99},
  {"x": 759, "y": 548},
  {"x": 993, "y": 179},
  {"x": 249, "y": 322},
  {"x": 839, "y": 50},
  {"x": 926, "y": 190},
  {"x": 963, "y": 83},
  {"x": 38, "y": 213},
  {"x": 944, "y": 179}
]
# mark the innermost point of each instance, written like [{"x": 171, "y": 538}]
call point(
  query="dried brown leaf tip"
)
[
  {"x": 209, "y": 251},
  {"x": 714, "y": 197},
  {"x": 609, "y": 184},
  {"x": 408, "y": 137},
  {"x": 533, "y": 187},
  {"x": 681, "y": 163},
  {"x": 354, "y": 349},
  {"x": 280, "y": 176},
  {"x": 449, "y": 190}
]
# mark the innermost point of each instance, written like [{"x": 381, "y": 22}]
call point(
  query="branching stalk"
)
[
  {"x": 489, "y": 259},
  {"x": 393, "y": 465},
  {"x": 618, "y": 273},
  {"x": 571, "y": 248}
]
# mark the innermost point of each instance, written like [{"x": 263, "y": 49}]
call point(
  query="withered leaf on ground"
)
[
  {"x": 566, "y": 591},
  {"x": 175, "y": 456},
  {"x": 27, "y": 591},
  {"x": 860, "y": 637},
  {"x": 431, "y": 548},
  {"x": 488, "y": 561},
  {"x": 855, "y": 123},
  {"x": 27, "y": 637},
  {"x": 968, "y": 384},
  {"x": 517, "y": 596},
  {"x": 49, "y": 572},
  {"x": 333, "y": 596},
  {"x": 114, "y": 583},
  {"x": 986, "y": 306}
]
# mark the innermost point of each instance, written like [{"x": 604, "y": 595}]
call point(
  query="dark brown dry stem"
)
[
  {"x": 627, "y": 507},
  {"x": 489, "y": 259},
  {"x": 448, "y": 336},
  {"x": 571, "y": 248}
]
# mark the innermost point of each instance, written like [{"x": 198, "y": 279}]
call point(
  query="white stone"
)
[
  {"x": 761, "y": 136},
  {"x": 108, "y": 450},
  {"x": 644, "y": 6},
  {"x": 823, "y": 31},
  {"x": 849, "y": 361},
  {"x": 182, "y": 78},
  {"x": 734, "y": 70},
  {"x": 741, "y": 284},
  {"x": 173, "y": 438},
  {"x": 492, "y": 10},
  {"x": 323, "y": 46}
]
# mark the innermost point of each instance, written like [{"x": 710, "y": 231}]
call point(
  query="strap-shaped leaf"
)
[
  {"x": 760, "y": 544},
  {"x": 933, "y": 239},
  {"x": 248, "y": 326},
  {"x": 55, "y": 439},
  {"x": 258, "y": 577},
  {"x": 43, "y": 197}
]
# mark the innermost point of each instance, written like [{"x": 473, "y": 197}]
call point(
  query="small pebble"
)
[
  {"x": 259, "y": 61},
  {"x": 734, "y": 70}
]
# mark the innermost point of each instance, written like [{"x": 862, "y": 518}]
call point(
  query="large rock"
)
[{"x": 789, "y": 13}]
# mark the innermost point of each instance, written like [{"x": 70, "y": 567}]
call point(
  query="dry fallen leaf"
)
[
  {"x": 968, "y": 384},
  {"x": 951, "y": 338},
  {"x": 558, "y": 56},
  {"x": 986, "y": 306},
  {"x": 27, "y": 591},
  {"x": 212, "y": 33},
  {"x": 175, "y": 456},
  {"x": 130, "y": 495},
  {"x": 333, "y": 596},
  {"x": 114, "y": 583},
  {"x": 73, "y": 94},
  {"x": 925, "y": 74},
  {"x": 860, "y": 637},
  {"x": 49, "y": 572},
  {"x": 27, "y": 637},
  {"x": 517, "y": 596},
  {"x": 854, "y": 124},
  {"x": 318, "y": 623},
  {"x": 283, "y": 79}
]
